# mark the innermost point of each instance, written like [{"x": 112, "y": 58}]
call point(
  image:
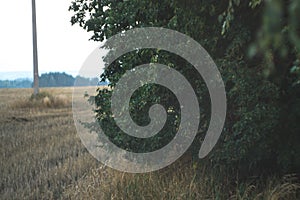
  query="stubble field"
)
[{"x": 40, "y": 151}]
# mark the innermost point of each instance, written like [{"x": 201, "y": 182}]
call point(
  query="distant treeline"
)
[
  {"x": 18, "y": 83},
  {"x": 52, "y": 79}
]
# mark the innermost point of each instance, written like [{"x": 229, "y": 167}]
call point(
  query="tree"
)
[{"x": 256, "y": 47}]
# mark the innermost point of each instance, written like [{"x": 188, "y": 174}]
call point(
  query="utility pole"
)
[{"x": 35, "y": 54}]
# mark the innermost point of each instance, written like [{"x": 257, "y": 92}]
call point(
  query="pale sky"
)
[{"x": 61, "y": 47}]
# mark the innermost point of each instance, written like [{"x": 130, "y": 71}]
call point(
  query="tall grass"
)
[{"x": 178, "y": 182}]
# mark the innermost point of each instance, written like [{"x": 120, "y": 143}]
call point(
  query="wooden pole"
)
[{"x": 35, "y": 54}]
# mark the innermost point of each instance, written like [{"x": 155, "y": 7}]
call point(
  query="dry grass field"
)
[
  {"x": 40, "y": 151},
  {"x": 43, "y": 158}
]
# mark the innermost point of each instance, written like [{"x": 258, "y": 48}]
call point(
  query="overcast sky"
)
[{"x": 61, "y": 47}]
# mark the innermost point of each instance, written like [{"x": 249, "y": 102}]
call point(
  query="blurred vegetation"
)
[
  {"x": 18, "y": 83},
  {"x": 58, "y": 79},
  {"x": 52, "y": 79},
  {"x": 255, "y": 44}
]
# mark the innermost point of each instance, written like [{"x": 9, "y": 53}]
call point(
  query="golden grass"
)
[
  {"x": 45, "y": 99},
  {"x": 40, "y": 151},
  {"x": 43, "y": 158},
  {"x": 274, "y": 188}
]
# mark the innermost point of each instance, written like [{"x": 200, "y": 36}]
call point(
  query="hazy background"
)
[{"x": 61, "y": 47}]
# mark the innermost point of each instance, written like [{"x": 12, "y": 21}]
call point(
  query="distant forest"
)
[
  {"x": 18, "y": 83},
  {"x": 52, "y": 79}
]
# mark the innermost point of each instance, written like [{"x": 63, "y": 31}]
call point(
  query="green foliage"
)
[
  {"x": 249, "y": 40},
  {"x": 253, "y": 115}
]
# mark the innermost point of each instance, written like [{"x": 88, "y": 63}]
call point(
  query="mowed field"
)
[
  {"x": 42, "y": 157},
  {"x": 41, "y": 153}
]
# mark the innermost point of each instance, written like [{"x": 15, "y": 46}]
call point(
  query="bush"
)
[
  {"x": 257, "y": 137},
  {"x": 249, "y": 135}
]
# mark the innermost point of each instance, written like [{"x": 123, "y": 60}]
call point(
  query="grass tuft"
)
[{"x": 43, "y": 99}]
